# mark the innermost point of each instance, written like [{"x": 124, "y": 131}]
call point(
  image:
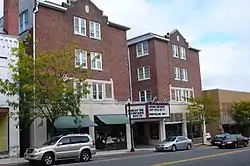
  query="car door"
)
[
  {"x": 180, "y": 143},
  {"x": 62, "y": 148},
  {"x": 77, "y": 142}
]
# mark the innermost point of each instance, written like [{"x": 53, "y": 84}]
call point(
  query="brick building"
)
[
  {"x": 164, "y": 68},
  {"x": 52, "y": 25}
]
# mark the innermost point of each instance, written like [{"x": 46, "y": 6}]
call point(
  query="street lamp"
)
[{"x": 131, "y": 130}]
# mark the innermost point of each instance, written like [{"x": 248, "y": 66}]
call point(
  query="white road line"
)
[{"x": 130, "y": 157}]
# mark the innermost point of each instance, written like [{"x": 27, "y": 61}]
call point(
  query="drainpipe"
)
[
  {"x": 130, "y": 77},
  {"x": 34, "y": 58}
]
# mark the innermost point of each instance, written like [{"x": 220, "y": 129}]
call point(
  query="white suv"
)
[{"x": 65, "y": 147}]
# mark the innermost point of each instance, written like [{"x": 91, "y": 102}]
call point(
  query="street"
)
[{"x": 204, "y": 156}]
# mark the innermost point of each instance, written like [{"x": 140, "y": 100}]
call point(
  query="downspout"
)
[
  {"x": 130, "y": 77},
  {"x": 34, "y": 59}
]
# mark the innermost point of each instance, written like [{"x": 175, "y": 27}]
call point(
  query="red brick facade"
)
[
  {"x": 162, "y": 65},
  {"x": 55, "y": 28}
]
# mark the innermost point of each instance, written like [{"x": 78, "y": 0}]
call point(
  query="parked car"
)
[
  {"x": 174, "y": 143},
  {"x": 216, "y": 139},
  {"x": 71, "y": 146},
  {"x": 233, "y": 141}
]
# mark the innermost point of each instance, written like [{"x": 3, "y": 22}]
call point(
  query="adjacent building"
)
[
  {"x": 225, "y": 99},
  {"x": 52, "y": 25},
  {"x": 9, "y": 129},
  {"x": 163, "y": 69}
]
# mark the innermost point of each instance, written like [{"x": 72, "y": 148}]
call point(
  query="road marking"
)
[{"x": 199, "y": 158}]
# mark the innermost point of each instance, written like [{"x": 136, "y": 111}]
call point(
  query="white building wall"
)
[{"x": 6, "y": 44}]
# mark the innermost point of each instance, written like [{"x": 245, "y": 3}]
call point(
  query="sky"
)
[{"x": 220, "y": 28}]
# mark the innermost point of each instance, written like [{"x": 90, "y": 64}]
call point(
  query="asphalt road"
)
[{"x": 205, "y": 156}]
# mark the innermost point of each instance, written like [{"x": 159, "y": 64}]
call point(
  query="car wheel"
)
[
  {"x": 85, "y": 155},
  {"x": 48, "y": 159},
  {"x": 173, "y": 148},
  {"x": 245, "y": 144},
  {"x": 189, "y": 147},
  {"x": 220, "y": 147}
]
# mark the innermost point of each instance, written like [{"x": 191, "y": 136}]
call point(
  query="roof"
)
[{"x": 118, "y": 26}]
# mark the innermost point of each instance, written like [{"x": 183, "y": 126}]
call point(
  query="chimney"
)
[{"x": 11, "y": 15}]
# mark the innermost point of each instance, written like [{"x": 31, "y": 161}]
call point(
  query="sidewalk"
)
[{"x": 22, "y": 162}]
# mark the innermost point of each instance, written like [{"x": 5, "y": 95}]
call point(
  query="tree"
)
[
  {"x": 44, "y": 84},
  {"x": 202, "y": 110},
  {"x": 241, "y": 112}
]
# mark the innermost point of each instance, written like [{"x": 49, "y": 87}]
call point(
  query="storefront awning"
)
[
  {"x": 71, "y": 122},
  {"x": 113, "y": 119}
]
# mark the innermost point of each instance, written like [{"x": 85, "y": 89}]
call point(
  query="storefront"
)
[
  {"x": 110, "y": 134},
  {"x": 174, "y": 125},
  {"x": 148, "y": 122}
]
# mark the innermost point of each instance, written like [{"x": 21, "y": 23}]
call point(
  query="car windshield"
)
[
  {"x": 220, "y": 136},
  {"x": 52, "y": 141},
  {"x": 230, "y": 137},
  {"x": 168, "y": 139}
]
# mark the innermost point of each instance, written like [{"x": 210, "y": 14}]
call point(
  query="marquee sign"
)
[{"x": 148, "y": 110}]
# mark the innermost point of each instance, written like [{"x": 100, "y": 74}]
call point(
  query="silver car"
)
[
  {"x": 174, "y": 143},
  {"x": 73, "y": 146}
]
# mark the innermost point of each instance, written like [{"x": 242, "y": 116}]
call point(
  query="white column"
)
[
  {"x": 162, "y": 130},
  {"x": 128, "y": 136},
  {"x": 184, "y": 125},
  {"x": 204, "y": 129},
  {"x": 92, "y": 129}
]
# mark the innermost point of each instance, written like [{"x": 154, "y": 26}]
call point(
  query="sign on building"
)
[{"x": 148, "y": 110}]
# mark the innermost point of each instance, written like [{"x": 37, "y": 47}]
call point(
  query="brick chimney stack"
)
[{"x": 11, "y": 15}]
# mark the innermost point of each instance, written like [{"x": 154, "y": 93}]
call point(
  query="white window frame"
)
[
  {"x": 97, "y": 90},
  {"x": 181, "y": 94},
  {"x": 143, "y": 73},
  {"x": 86, "y": 96},
  {"x": 95, "y": 31},
  {"x": 146, "y": 95},
  {"x": 95, "y": 59},
  {"x": 83, "y": 56},
  {"x": 23, "y": 21},
  {"x": 144, "y": 51},
  {"x": 175, "y": 51},
  {"x": 183, "y": 53},
  {"x": 184, "y": 74},
  {"x": 78, "y": 22},
  {"x": 177, "y": 73}
]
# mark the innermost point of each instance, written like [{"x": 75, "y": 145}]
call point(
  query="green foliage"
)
[
  {"x": 202, "y": 107},
  {"x": 241, "y": 112},
  {"x": 44, "y": 84}
]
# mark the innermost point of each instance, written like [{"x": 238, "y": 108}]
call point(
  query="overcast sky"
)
[{"x": 220, "y": 28}]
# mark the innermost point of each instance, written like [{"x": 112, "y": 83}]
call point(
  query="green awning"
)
[
  {"x": 113, "y": 119},
  {"x": 72, "y": 122}
]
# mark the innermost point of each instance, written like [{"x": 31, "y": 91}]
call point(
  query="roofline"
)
[
  {"x": 144, "y": 37},
  {"x": 52, "y": 5},
  {"x": 112, "y": 24},
  {"x": 226, "y": 90},
  {"x": 194, "y": 49}
]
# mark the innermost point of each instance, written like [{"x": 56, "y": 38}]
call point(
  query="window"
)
[
  {"x": 78, "y": 90},
  {"x": 143, "y": 73},
  {"x": 97, "y": 90},
  {"x": 184, "y": 75},
  {"x": 183, "y": 53},
  {"x": 79, "y": 26},
  {"x": 177, "y": 73},
  {"x": 81, "y": 58},
  {"x": 181, "y": 94},
  {"x": 95, "y": 30},
  {"x": 79, "y": 139},
  {"x": 178, "y": 38},
  {"x": 145, "y": 95},
  {"x": 23, "y": 21},
  {"x": 96, "y": 61},
  {"x": 142, "y": 49},
  {"x": 65, "y": 141},
  {"x": 108, "y": 91},
  {"x": 175, "y": 51}
]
